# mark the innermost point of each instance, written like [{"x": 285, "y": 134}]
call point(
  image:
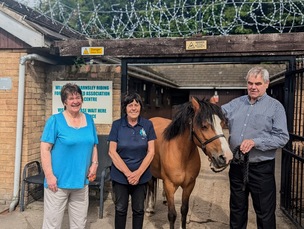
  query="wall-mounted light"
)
[
  {"x": 162, "y": 90},
  {"x": 144, "y": 87}
]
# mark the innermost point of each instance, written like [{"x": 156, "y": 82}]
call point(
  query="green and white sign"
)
[{"x": 97, "y": 99}]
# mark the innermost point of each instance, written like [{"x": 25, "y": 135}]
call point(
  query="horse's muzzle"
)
[{"x": 218, "y": 164}]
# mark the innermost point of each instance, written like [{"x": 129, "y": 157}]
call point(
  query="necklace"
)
[{"x": 74, "y": 122}]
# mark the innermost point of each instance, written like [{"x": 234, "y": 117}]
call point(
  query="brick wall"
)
[
  {"x": 9, "y": 68},
  {"x": 38, "y": 107}
]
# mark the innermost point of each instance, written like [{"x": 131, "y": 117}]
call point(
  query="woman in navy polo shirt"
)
[{"x": 131, "y": 150}]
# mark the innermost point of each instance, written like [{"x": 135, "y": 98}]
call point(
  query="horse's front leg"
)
[
  {"x": 170, "y": 190},
  {"x": 185, "y": 204}
]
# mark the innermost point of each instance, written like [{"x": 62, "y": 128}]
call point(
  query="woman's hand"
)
[
  {"x": 52, "y": 183},
  {"x": 133, "y": 178},
  {"x": 92, "y": 172}
]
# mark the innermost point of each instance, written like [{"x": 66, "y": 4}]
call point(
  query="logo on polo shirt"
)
[{"x": 142, "y": 133}]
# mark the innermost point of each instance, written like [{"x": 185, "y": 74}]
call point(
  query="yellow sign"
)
[
  {"x": 196, "y": 45},
  {"x": 92, "y": 51}
]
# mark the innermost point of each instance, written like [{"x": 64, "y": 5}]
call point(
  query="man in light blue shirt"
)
[{"x": 257, "y": 125}]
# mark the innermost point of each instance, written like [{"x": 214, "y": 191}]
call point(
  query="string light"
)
[{"x": 183, "y": 18}]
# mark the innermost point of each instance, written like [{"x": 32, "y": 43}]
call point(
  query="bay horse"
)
[{"x": 197, "y": 123}]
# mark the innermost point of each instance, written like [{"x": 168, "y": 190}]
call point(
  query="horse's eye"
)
[{"x": 204, "y": 127}]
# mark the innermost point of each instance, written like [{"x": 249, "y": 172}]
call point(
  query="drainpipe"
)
[{"x": 19, "y": 128}]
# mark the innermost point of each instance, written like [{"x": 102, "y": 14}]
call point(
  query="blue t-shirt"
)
[
  {"x": 132, "y": 146},
  {"x": 72, "y": 149}
]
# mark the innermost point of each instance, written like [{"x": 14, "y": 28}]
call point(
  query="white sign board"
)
[
  {"x": 6, "y": 83},
  {"x": 97, "y": 99}
]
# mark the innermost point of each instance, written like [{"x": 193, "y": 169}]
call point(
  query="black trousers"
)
[
  {"x": 261, "y": 185},
  {"x": 121, "y": 199}
]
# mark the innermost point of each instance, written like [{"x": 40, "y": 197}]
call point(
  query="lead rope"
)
[
  {"x": 246, "y": 171},
  {"x": 244, "y": 162}
]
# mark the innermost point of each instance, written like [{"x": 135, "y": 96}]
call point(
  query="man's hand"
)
[
  {"x": 213, "y": 100},
  {"x": 247, "y": 145}
]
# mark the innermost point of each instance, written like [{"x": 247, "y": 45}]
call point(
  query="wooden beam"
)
[{"x": 232, "y": 45}]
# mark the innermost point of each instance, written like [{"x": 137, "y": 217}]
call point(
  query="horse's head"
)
[{"x": 207, "y": 130}]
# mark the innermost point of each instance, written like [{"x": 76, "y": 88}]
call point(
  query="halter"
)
[
  {"x": 204, "y": 147},
  {"x": 203, "y": 144}
]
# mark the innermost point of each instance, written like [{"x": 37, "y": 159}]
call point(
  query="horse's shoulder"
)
[{"x": 160, "y": 123}]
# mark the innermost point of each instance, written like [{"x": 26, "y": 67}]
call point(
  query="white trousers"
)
[{"x": 55, "y": 203}]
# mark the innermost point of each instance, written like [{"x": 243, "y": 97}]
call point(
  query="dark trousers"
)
[
  {"x": 261, "y": 185},
  {"x": 121, "y": 198}
]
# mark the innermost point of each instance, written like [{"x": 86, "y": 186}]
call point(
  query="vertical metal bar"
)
[
  {"x": 296, "y": 96},
  {"x": 300, "y": 111},
  {"x": 301, "y": 189},
  {"x": 289, "y": 94},
  {"x": 287, "y": 162},
  {"x": 285, "y": 180},
  {"x": 297, "y": 199},
  {"x": 299, "y": 106}
]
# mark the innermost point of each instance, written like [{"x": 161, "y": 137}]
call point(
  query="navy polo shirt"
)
[{"x": 132, "y": 146}]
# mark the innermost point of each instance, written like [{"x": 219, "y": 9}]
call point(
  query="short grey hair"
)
[{"x": 255, "y": 71}]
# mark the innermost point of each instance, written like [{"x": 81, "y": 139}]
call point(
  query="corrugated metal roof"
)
[{"x": 211, "y": 75}]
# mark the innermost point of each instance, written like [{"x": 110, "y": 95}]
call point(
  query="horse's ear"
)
[{"x": 195, "y": 103}]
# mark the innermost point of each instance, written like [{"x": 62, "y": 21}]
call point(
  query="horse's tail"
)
[
  {"x": 155, "y": 186},
  {"x": 151, "y": 196}
]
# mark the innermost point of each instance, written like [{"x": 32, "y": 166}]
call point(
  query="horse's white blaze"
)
[{"x": 225, "y": 147}]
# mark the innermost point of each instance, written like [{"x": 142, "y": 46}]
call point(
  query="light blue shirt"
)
[
  {"x": 71, "y": 152},
  {"x": 264, "y": 122}
]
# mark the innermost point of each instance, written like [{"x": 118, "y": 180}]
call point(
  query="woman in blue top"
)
[
  {"x": 69, "y": 159},
  {"x": 132, "y": 150}
]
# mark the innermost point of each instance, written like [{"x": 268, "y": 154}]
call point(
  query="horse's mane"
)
[{"x": 185, "y": 114}]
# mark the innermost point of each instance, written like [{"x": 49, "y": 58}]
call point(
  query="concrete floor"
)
[{"x": 209, "y": 208}]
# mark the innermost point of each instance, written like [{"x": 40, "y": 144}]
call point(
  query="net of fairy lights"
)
[{"x": 115, "y": 19}]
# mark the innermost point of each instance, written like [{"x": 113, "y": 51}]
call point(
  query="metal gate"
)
[{"x": 292, "y": 170}]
